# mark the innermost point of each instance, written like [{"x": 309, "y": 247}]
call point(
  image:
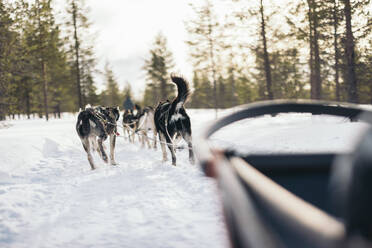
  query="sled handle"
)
[{"x": 349, "y": 110}]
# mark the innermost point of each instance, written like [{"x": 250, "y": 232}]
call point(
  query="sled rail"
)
[
  {"x": 289, "y": 210},
  {"x": 263, "y": 204}
]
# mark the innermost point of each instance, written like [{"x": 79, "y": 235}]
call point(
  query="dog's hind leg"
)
[
  {"x": 188, "y": 139},
  {"x": 93, "y": 142},
  {"x": 125, "y": 137},
  {"x": 87, "y": 148},
  {"x": 112, "y": 149},
  {"x": 162, "y": 145},
  {"x": 141, "y": 137},
  {"x": 155, "y": 138},
  {"x": 129, "y": 135},
  {"x": 171, "y": 149},
  {"x": 102, "y": 150},
  {"x": 146, "y": 139},
  {"x": 175, "y": 140}
]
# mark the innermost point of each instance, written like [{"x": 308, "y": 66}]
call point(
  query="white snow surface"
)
[{"x": 49, "y": 197}]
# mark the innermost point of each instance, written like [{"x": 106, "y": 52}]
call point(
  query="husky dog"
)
[
  {"x": 93, "y": 126},
  {"x": 129, "y": 124},
  {"x": 146, "y": 123},
  {"x": 171, "y": 120}
]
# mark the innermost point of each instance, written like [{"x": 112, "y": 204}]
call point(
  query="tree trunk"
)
[
  {"x": 213, "y": 64},
  {"x": 40, "y": 110},
  {"x": 337, "y": 52},
  {"x": 318, "y": 79},
  {"x": 234, "y": 96},
  {"x": 59, "y": 111},
  {"x": 311, "y": 58},
  {"x": 45, "y": 90},
  {"x": 77, "y": 55},
  {"x": 315, "y": 77},
  {"x": 28, "y": 104},
  {"x": 43, "y": 65},
  {"x": 350, "y": 56},
  {"x": 267, "y": 65}
]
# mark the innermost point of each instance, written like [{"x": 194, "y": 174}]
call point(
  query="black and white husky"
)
[
  {"x": 171, "y": 120},
  {"x": 93, "y": 126},
  {"x": 129, "y": 124},
  {"x": 146, "y": 123}
]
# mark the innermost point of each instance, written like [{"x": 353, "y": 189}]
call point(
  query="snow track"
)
[{"x": 49, "y": 197}]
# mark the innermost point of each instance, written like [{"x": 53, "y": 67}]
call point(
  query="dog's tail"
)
[
  {"x": 82, "y": 125},
  {"x": 183, "y": 91}
]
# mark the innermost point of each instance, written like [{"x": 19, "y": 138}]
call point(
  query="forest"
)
[{"x": 256, "y": 50}]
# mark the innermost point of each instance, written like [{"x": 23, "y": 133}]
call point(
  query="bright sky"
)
[{"x": 125, "y": 30}]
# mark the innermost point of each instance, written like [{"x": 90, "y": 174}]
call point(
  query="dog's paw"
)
[
  {"x": 114, "y": 163},
  {"x": 105, "y": 159}
]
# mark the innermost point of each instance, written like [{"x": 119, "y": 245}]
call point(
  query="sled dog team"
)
[{"x": 169, "y": 121}]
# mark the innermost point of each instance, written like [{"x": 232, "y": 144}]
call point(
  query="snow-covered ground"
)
[{"x": 49, "y": 197}]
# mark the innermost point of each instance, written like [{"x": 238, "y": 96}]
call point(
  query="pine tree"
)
[
  {"x": 335, "y": 21},
  {"x": 314, "y": 62},
  {"x": 158, "y": 67},
  {"x": 309, "y": 24},
  {"x": 205, "y": 42},
  {"x": 232, "y": 96},
  {"x": 203, "y": 91},
  {"x": 267, "y": 63},
  {"x": 41, "y": 37},
  {"x": 350, "y": 55},
  {"x": 111, "y": 95},
  {"x": 82, "y": 56},
  {"x": 6, "y": 39},
  {"x": 261, "y": 13}
]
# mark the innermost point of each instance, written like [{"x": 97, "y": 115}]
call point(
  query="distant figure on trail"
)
[{"x": 128, "y": 104}]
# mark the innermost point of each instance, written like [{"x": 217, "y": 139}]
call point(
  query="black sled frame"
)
[{"x": 294, "y": 200}]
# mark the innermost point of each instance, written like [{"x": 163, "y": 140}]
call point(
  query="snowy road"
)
[{"x": 49, "y": 197}]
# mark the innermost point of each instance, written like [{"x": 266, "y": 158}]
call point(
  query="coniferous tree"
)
[
  {"x": 6, "y": 40},
  {"x": 82, "y": 56},
  {"x": 127, "y": 91},
  {"x": 262, "y": 13},
  {"x": 205, "y": 43},
  {"x": 34, "y": 70},
  {"x": 158, "y": 67},
  {"x": 111, "y": 95},
  {"x": 42, "y": 35},
  {"x": 232, "y": 97},
  {"x": 203, "y": 91},
  {"x": 309, "y": 30},
  {"x": 335, "y": 21},
  {"x": 350, "y": 54},
  {"x": 314, "y": 61},
  {"x": 267, "y": 63}
]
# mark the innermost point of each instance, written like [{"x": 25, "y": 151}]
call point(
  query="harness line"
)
[
  {"x": 136, "y": 132},
  {"x": 166, "y": 143}
]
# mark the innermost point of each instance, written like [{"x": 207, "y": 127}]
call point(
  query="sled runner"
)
[{"x": 294, "y": 200}]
